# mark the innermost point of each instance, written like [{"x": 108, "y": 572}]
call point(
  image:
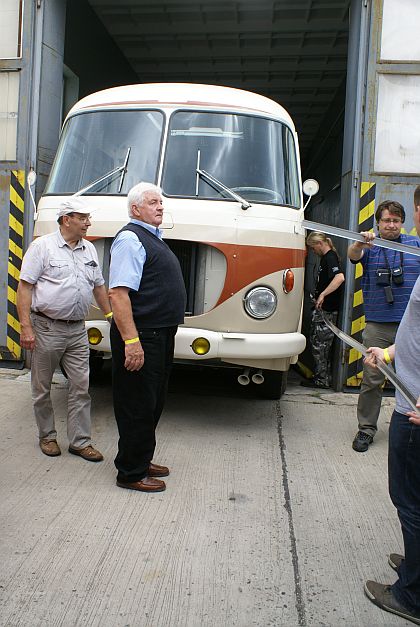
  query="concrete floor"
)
[{"x": 269, "y": 517}]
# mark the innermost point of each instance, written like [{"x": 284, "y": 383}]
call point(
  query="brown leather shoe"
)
[
  {"x": 89, "y": 453},
  {"x": 148, "y": 484},
  {"x": 158, "y": 471},
  {"x": 49, "y": 447}
]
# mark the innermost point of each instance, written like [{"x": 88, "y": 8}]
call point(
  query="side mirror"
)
[
  {"x": 310, "y": 187},
  {"x": 31, "y": 180}
]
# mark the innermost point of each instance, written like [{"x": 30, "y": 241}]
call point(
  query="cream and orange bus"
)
[{"x": 227, "y": 161}]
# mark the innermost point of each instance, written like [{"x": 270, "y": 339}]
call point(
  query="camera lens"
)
[
  {"x": 383, "y": 277},
  {"x": 398, "y": 276}
]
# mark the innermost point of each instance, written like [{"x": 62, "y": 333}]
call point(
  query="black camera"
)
[
  {"x": 398, "y": 275},
  {"x": 383, "y": 277}
]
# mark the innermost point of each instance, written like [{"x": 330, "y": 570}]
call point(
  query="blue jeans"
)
[{"x": 404, "y": 490}]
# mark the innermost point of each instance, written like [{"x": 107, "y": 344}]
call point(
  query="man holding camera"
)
[{"x": 388, "y": 279}]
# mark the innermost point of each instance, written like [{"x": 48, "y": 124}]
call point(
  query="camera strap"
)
[{"x": 393, "y": 263}]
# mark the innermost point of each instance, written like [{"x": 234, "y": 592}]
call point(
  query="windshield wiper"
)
[
  {"x": 122, "y": 168},
  {"x": 218, "y": 184}
]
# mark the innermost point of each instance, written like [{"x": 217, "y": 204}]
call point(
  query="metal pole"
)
[
  {"x": 37, "y": 17},
  {"x": 353, "y": 138}
]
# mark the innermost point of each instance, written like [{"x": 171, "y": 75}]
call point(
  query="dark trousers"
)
[
  {"x": 321, "y": 339},
  {"x": 404, "y": 489},
  {"x": 139, "y": 398}
]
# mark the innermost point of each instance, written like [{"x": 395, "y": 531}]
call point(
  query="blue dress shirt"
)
[{"x": 128, "y": 257}]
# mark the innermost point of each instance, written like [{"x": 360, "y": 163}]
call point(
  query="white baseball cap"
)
[{"x": 73, "y": 204}]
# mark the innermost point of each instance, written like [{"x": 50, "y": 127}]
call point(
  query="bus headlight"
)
[{"x": 260, "y": 302}]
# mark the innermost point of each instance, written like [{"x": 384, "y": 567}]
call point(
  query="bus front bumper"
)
[{"x": 220, "y": 345}]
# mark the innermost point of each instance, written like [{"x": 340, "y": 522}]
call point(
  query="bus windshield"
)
[
  {"x": 96, "y": 142},
  {"x": 253, "y": 156}
]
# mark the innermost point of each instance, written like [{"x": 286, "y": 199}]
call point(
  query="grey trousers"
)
[
  {"x": 380, "y": 334},
  {"x": 68, "y": 343}
]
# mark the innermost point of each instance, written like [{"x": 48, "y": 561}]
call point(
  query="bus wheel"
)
[{"x": 274, "y": 385}]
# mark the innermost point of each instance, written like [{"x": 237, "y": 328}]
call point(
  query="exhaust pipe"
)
[
  {"x": 243, "y": 379},
  {"x": 258, "y": 377}
]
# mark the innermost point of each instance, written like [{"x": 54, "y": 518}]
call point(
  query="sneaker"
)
[
  {"x": 361, "y": 442},
  {"x": 49, "y": 447},
  {"x": 381, "y": 595},
  {"x": 395, "y": 560}
]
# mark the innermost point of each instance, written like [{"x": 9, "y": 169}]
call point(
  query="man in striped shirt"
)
[{"x": 388, "y": 279}]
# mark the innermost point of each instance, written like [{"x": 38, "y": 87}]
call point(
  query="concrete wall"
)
[
  {"x": 13, "y": 224},
  {"x": 91, "y": 53},
  {"x": 74, "y": 37},
  {"x": 393, "y": 177},
  {"x": 50, "y": 88}
]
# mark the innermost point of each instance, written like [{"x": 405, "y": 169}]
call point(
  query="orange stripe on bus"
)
[{"x": 246, "y": 264}]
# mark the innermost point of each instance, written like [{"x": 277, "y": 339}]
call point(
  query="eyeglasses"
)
[
  {"x": 391, "y": 220},
  {"x": 81, "y": 218}
]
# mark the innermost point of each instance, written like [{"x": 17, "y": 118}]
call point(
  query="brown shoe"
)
[
  {"x": 49, "y": 447},
  {"x": 89, "y": 453},
  {"x": 158, "y": 471},
  {"x": 148, "y": 484}
]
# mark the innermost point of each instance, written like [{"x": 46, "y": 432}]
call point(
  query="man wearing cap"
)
[{"x": 59, "y": 273}]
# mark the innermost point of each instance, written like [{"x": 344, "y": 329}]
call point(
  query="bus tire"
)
[{"x": 274, "y": 385}]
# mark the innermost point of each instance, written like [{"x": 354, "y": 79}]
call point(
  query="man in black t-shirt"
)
[{"x": 327, "y": 297}]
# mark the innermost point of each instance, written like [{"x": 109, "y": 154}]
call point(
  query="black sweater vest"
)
[{"x": 161, "y": 298}]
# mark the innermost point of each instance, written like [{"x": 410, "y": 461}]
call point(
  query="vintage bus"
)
[{"x": 227, "y": 161}]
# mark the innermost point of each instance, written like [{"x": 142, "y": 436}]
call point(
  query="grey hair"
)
[{"x": 136, "y": 194}]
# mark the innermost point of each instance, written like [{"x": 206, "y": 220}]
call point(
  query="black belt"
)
[{"x": 39, "y": 313}]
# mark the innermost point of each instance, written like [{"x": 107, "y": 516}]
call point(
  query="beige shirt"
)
[{"x": 63, "y": 278}]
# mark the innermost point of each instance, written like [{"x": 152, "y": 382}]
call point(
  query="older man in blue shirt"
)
[{"x": 148, "y": 297}]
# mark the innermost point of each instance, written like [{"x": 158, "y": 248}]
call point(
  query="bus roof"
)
[{"x": 183, "y": 94}]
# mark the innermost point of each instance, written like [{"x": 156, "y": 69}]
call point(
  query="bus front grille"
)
[{"x": 186, "y": 253}]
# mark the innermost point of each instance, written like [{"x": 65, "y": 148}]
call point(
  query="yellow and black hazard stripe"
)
[
  {"x": 12, "y": 350},
  {"x": 366, "y": 218}
]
